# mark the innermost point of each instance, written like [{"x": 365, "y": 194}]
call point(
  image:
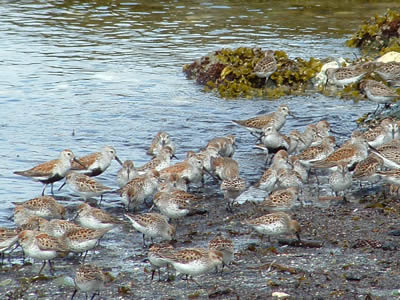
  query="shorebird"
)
[
  {"x": 390, "y": 72},
  {"x": 161, "y": 140},
  {"x": 138, "y": 189},
  {"x": 8, "y": 238},
  {"x": 381, "y": 134},
  {"x": 367, "y": 168},
  {"x": 256, "y": 124},
  {"x": 191, "y": 169},
  {"x": 126, "y": 173},
  {"x": 225, "y": 168},
  {"x": 266, "y": 66},
  {"x": 95, "y": 218},
  {"x": 232, "y": 188},
  {"x": 153, "y": 225},
  {"x": 41, "y": 246},
  {"x": 44, "y": 206},
  {"x": 390, "y": 154},
  {"x": 307, "y": 138},
  {"x": 347, "y": 75},
  {"x": 323, "y": 129},
  {"x": 161, "y": 161},
  {"x": 275, "y": 224},
  {"x": 225, "y": 146},
  {"x": 378, "y": 92},
  {"x": 51, "y": 171},
  {"x": 174, "y": 203},
  {"x": 225, "y": 245},
  {"x": 392, "y": 177},
  {"x": 269, "y": 178},
  {"x": 155, "y": 256},
  {"x": 96, "y": 163},
  {"x": 273, "y": 139},
  {"x": 281, "y": 200},
  {"x": 340, "y": 179},
  {"x": 350, "y": 154},
  {"x": 87, "y": 187},
  {"x": 194, "y": 261},
  {"x": 89, "y": 278}
]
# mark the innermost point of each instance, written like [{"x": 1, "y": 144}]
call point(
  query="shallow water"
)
[{"x": 111, "y": 73}]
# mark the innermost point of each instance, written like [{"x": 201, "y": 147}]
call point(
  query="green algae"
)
[
  {"x": 229, "y": 73},
  {"x": 379, "y": 34}
]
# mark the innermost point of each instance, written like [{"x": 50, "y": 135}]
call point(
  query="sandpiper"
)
[
  {"x": 390, "y": 72},
  {"x": 225, "y": 245},
  {"x": 126, "y": 173},
  {"x": 347, "y": 75},
  {"x": 307, "y": 138},
  {"x": 152, "y": 225},
  {"x": 266, "y": 66},
  {"x": 161, "y": 161},
  {"x": 288, "y": 178},
  {"x": 45, "y": 206},
  {"x": 161, "y": 140},
  {"x": 191, "y": 169},
  {"x": 378, "y": 92},
  {"x": 323, "y": 129},
  {"x": 224, "y": 145},
  {"x": 273, "y": 139},
  {"x": 256, "y": 124},
  {"x": 41, "y": 246},
  {"x": 366, "y": 169},
  {"x": 282, "y": 200},
  {"x": 390, "y": 154},
  {"x": 55, "y": 227},
  {"x": 232, "y": 188},
  {"x": 340, "y": 179},
  {"x": 138, "y": 189},
  {"x": 82, "y": 240},
  {"x": 174, "y": 204},
  {"x": 194, "y": 261},
  {"x": 51, "y": 171},
  {"x": 96, "y": 163},
  {"x": 95, "y": 218},
  {"x": 381, "y": 134},
  {"x": 90, "y": 278},
  {"x": 224, "y": 167},
  {"x": 155, "y": 256},
  {"x": 350, "y": 153},
  {"x": 275, "y": 224},
  {"x": 391, "y": 176},
  {"x": 8, "y": 238},
  {"x": 295, "y": 137},
  {"x": 86, "y": 186}
]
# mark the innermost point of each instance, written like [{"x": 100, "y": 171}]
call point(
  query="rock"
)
[
  {"x": 321, "y": 78},
  {"x": 6, "y": 282},
  {"x": 395, "y": 232},
  {"x": 354, "y": 276},
  {"x": 280, "y": 295},
  {"x": 390, "y": 56},
  {"x": 390, "y": 246}
]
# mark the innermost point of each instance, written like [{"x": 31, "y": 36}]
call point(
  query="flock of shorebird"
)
[
  {"x": 43, "y": 233},
  {"x": 374, "y": 90}
]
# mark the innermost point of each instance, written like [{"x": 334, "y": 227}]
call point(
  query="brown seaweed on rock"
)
[{"x": 230, "y": 73}]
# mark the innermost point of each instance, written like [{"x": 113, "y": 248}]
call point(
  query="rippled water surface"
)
[{"x": 111, "y": 72}]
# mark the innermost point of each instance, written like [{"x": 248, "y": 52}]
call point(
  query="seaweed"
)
[
  {"x": 379, "y": 34},
  {"x": 229, "y": 73}
]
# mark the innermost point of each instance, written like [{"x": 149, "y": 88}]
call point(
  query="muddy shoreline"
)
[{"x": 358, "y": 257}]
